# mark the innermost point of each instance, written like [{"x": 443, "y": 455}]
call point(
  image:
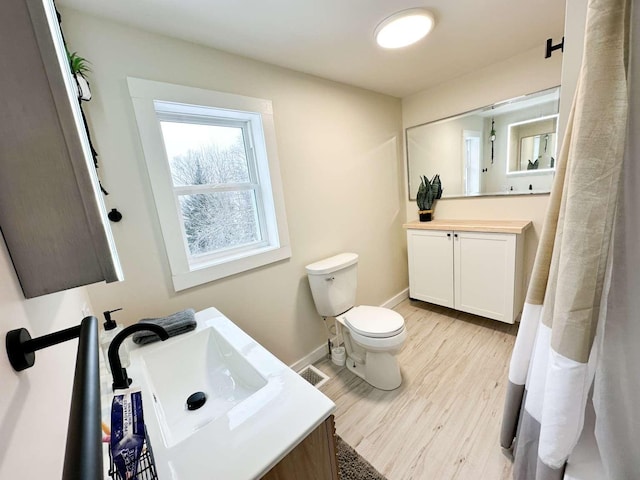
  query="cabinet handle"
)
[
  {"x": 448, "y": 235},
  {"x": 455, "y": 235}
]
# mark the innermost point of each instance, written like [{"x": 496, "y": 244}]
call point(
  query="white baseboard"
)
[
  {"x": 318, "y": 354},
  {"x": 396, "y": 299},
  {"x": 321, "y": 352}
]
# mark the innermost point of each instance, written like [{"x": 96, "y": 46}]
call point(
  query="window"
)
[
  {"x": 215, "y": 180},
  {"x": 213, "y": 168}
]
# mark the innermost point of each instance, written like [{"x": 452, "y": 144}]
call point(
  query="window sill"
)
[{"x": 229, "y": 267}]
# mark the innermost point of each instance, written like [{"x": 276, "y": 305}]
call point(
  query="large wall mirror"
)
[{"x": 506, "y": 148}]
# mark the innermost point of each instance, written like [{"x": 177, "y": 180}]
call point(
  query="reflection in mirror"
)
[
  {"x": 505, "y": 148},
  {"x": 532, "y": 145}
]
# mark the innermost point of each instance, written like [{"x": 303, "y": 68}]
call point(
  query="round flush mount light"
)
[{"x": 404, "y": 28}]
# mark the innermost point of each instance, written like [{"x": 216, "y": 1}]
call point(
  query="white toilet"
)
[{"x": 372, "y": 335}]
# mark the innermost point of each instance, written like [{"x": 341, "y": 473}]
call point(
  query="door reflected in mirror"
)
[{"x": 505, "y": 148}]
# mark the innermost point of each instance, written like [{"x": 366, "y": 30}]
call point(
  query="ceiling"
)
[{"x": 333, "y": 39}]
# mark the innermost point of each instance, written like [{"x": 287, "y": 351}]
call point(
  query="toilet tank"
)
[{"x": 333, "y": 283}]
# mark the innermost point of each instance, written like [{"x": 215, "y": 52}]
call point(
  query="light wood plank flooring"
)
[{"x": 443, "y": 422}]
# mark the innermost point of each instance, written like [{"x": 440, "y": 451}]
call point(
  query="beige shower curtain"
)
[{"x": 563, "y": 328}]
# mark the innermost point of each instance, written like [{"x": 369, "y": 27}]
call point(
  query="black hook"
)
[{"x": 551, "y": 48}]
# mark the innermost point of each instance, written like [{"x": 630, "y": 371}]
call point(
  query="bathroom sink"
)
[
  {"x": 257, "y": 409},
  {"x": 195, "y": 379}
]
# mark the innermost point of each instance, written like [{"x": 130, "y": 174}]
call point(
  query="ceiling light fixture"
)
[{"x": 404, "y": 28}]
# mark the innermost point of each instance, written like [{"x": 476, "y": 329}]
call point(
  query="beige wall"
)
[
  {"x": 525, "y": 73},
  {"x": 340, "y": 157},
  {"x": 34, "y": 404},
  {"x": 574, "y": 29}
]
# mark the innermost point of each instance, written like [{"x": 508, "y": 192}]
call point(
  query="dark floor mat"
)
[{"x": 352, "y": 466}]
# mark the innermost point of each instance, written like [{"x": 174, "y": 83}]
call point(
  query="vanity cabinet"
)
[
  {"x": 52, "y": 216},
  {"x": 475, "y": 267},
  {"x": 312, "y": 459}
]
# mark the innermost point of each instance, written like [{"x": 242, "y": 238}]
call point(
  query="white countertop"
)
[{"x": 247, "y": 441}]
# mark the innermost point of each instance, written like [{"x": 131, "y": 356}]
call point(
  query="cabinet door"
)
[
  {"x": 485, "y": 266},
  {"x": 51, "y": 211},
  {"x": 313, "y": 459},
  {"x": 431, "y": 266}
]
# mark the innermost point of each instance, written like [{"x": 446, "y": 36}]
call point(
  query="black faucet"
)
[{"x": 120, "y": 377}]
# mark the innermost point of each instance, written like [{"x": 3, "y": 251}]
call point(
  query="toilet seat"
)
[{"x": 373, "y": 322}]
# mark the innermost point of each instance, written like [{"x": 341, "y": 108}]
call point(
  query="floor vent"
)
[{"x": 314, "y": 376}]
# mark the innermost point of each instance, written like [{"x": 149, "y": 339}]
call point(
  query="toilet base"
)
[{"x": 380, "y": 370}]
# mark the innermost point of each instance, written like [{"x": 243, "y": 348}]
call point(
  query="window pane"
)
[
  {"x": 220, "y": 220},
  {"x": 205, "y": 154}
]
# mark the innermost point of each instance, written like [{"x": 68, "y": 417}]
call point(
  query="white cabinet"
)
[
  {"x": 431, "y": 266},
  {"x": 486, "y": 270},
  {"x": 472, "y": 271}
]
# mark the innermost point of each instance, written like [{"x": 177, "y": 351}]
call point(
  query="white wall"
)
[
  {"x": 522, "y": 74},
  {"x": 340, "y": 156},
  {"x": 430, "y": 144},
  {"x": 34, "y": 404}
]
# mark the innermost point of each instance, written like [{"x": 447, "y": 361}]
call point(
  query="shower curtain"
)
[{"x": 581, "y": 317}]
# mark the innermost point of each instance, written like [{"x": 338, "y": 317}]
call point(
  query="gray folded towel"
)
[{"x": 174, "y": 324}]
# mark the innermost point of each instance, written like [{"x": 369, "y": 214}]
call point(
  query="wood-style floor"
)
[{"x": 443, "y": 422}]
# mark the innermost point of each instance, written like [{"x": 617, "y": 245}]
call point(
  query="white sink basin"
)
[
  {"x": 201, "y": 362},
  {"x": 257, "y": 408}
]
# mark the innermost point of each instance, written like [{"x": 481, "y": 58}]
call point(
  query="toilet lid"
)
[{"x": 374, "y": 322}]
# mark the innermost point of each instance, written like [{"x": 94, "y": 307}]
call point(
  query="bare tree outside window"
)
[
  {"x": 224, "y": 216},
  {"x": 211, "y": 165}
]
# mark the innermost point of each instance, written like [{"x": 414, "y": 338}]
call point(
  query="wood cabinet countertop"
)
[{"x": 491, "y": 226}]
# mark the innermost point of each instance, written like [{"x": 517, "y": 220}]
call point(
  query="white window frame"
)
[
  {"x": 156, "y": 101},
  {"x": 251, "y": 125}
]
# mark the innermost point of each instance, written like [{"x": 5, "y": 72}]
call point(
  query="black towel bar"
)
[{"x": 83, "y": 452}]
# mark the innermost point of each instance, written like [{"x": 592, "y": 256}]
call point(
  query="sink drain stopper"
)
[{"x": 196, "y": 400}]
